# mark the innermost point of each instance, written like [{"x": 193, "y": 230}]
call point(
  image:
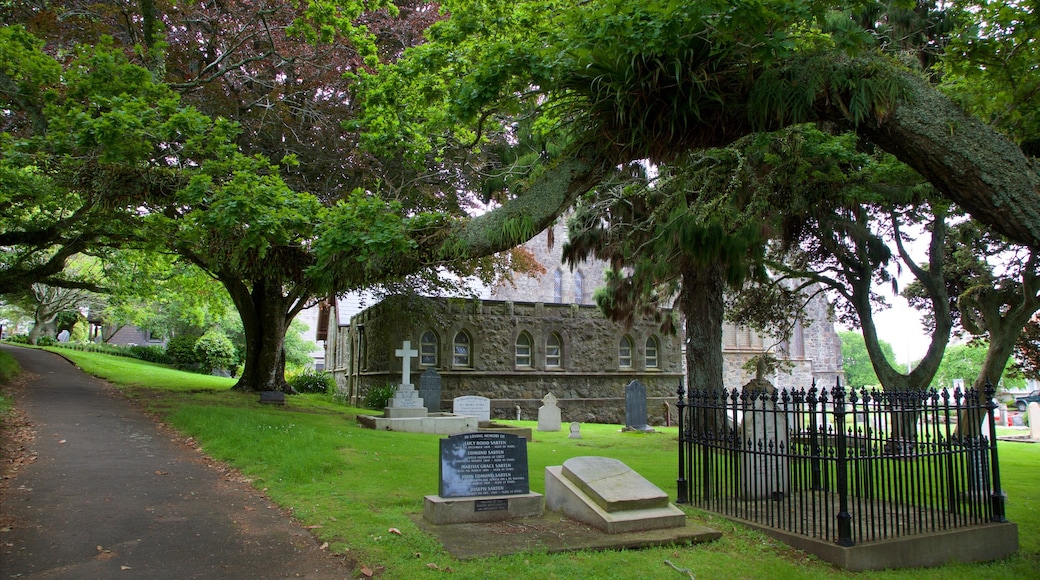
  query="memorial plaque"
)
[
  {"x": 483, "y": 464},
  {"x": 473, "y": 406},
  {"x": 491, "y": 505}
]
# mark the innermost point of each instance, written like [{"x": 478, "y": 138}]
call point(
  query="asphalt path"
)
[{"x": 112, "y": 494}]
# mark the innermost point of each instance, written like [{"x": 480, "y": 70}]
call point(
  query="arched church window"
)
[
  {"x": 579, "y": 287},
  {"x": 462, "y": 348},
  {"x": 553, "y": 351},
  {"x": 523, "y": 350},
  {"x": 428, "y": 349},
  {"x": 652, "y": 348},
  {"x": 625, "y": 352}
]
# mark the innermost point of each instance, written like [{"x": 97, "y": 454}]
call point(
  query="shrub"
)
[
  {"x": 19, "y": 339},
  {"x": 313, "y": 382},
  {"x": 378, "y": 397},
  {"x": 46, "y": 341},
  {"x": 181, "y": 350},
  {"x": 215, "y": 351},
  {"x": 153, "y": 354}
]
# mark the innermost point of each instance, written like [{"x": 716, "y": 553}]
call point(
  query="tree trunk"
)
[
  {"x": 966, "y": 160},
  {"x": 266, "y": 313},
  {"x": 702, "y": 303},
  {"x": 43, "y": 324}
]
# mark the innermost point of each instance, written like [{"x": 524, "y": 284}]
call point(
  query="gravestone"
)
[
  {"x": 483, "y": 464},
  {"x": 1034, "y": 421},
  {"x": 608, "y": 495},
  {"x": 482, "y": 477},
  {"x": 575, "y": 431},
  {"x": 430, "y": 390},
  {"x": 635, "y": 407},
  {"x": 472, "y": 406},
  {"x": 765, "y": 434},
  {"x": 406, "y": 402},
  {"x": 272, "y": 397},
  {"x": 549, "y": 414}
]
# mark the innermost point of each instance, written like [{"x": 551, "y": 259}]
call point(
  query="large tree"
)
[{"x": 608, "y": 82}]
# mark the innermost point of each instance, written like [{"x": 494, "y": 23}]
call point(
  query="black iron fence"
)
[{"x": 843, "y": 466}]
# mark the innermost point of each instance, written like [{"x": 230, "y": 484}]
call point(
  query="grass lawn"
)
[{"x": 355, "y": 484}]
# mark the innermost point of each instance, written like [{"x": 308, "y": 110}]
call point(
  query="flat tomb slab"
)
[
  {"x": 613, "y": 485},
  {"x": 565, "y": 497},
  {"x": 492, "y": 508}
]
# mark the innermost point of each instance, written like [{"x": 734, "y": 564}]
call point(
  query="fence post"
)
[
  {"x": 996, "y": 493},
  {"x": 682, "y": 495},
  {"x": 844, "y": 517}
]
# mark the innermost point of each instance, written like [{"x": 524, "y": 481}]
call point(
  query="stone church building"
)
[{"x": 541, "y": 335}]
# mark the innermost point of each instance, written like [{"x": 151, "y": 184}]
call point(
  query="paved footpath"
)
[{"x": 111, "y": 495}]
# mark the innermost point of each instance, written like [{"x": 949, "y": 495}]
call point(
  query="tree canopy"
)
[{"x": 233, "y": 132}]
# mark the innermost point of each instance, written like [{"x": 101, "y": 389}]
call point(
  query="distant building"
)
[{"x": 543, "y": 334}]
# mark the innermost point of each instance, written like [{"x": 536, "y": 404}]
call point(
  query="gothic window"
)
[
  {"x": 625, "y": 352},
  {"x": 553, "y": 351},
  {"x": 462, "y": 350},
  {"x": 428, "y": 349},
  {"x": 651, "y": 353},
  {"x": 579, "y": 288},
  {"x": 557, "y": 286},
  {"x": 523, "y": 350}
]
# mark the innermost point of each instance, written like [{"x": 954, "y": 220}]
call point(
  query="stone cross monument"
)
[{"x": 406, "y": 402}]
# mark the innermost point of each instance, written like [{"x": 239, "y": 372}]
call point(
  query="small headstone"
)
[
  {"x": 430, "y": 390},
  {"x": 575, "y": 431},
  {"x": 764, "y": 433},
  {"x": 272, "y": 397},
  {"x": 635, "y": 407},
  {"x": 63, "y": 336},
  {"x": 549, "y": 414},
  {"x": 483, "y": 464},
  {"x": 1034, "y": 421},
  {"x": 472, "y": 406}
]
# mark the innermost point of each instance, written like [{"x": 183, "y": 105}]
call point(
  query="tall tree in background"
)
[{"x": 856, "y": 363}]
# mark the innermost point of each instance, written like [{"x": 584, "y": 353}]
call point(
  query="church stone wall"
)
[{"x": 589, "y": 382}]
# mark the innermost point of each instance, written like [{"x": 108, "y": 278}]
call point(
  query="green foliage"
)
[
  {"x": 8, "y": 368},
  {"x": 965, "y": 362},
  {"x": 181, "y": 350},
  {"x": 154, "y": 354},
  {"x": 990, "y": 66},
  {"x": 377, "y": 397},
  {"x": 297, "y": 349},
  {"x": 855, "y": 362},
  {"x": 361, "y": 235},
  {"x": 313, "y": 382},
  {"x": 215, "y": 351}
]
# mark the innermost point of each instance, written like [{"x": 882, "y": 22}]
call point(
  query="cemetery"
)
[
  {"x": 570, "y": 230},
  {"x": 840, "y": 475},
  {"x": 863, "y": 479}
]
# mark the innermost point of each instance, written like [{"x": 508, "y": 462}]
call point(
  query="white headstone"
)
[
  {"x": 549, "y": 414},
  {"x": 472, "y": 406},
  {"x": 575, "y": 431},
  {"x": 407, "y": 353},
  {"x": 1034, "y": 421},
  {"x": 764, "y": 433}
]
